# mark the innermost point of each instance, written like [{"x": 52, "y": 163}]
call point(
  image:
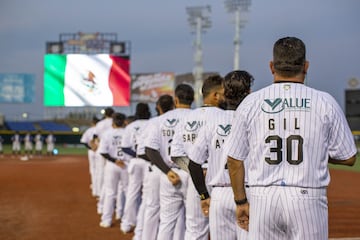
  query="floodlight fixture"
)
[{"x": 54, "y": 47}]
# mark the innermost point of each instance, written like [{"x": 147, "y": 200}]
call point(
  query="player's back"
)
[
  {"x": 111, "y": 142},
  {"x": 188, "y": 128},
  {"x": 291, "y": 130},
  {"x": 162, "y": 132},
  {"x": 132, "y": 133},
  {"x": 209, "y": 144}
]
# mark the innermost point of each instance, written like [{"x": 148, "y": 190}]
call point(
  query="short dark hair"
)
[
  {"x": 118, "y": 119},
  {"x": 94, "y": 120},
  {"x": 165, "y": 102},
  {"x": 289, "y": 56},
  {"x": 185, "y": 93},
  {"x": 237, "y": 86},
  {"x": 142, "y": 111},
  {"x": 210, "y": 83},
  {"x": 109, "y": 112}
]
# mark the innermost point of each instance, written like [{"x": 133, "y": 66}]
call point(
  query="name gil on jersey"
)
[{"x": 280, "y": 104}]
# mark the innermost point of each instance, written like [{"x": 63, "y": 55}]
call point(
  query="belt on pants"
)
[{"x": 221, "y": 185}]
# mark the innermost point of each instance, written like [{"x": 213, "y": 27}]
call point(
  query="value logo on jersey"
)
[
  {"x": 170, "y": 123},
  {"x": 223, "y": 130},
  {"x": 280, "y": 104},
  {"x": 192, "y": 126}
]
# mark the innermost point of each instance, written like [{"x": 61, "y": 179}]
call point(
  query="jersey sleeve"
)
[
  {"x": 341, "y": 141},
  {"x": 128, "y": 139},
  {"x": 104, "y": 146},
  {"x": 199, "y": 151},
  {"x": 152, "y": 139},
  {"x": 237, "y": 144}
]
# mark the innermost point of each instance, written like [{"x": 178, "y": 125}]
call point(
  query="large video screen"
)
[
  {"x": 17, "y": 88},
  {"x": 86, "y": 80}
]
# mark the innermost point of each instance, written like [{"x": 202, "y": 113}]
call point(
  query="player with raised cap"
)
[
  {"x": 208, "y": 146},
  {"x": 287, "y": 133}
]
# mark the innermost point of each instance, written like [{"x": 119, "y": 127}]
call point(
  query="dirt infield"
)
[{"x": 49, "y": 198}]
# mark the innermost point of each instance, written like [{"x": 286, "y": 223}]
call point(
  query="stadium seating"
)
[
  {"x": 20, "y": 126},
  {"x": 53, "y": 126}
]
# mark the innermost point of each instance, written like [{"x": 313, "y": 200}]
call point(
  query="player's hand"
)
[
  {"x": 93, "y": 145},
  {"x": 205, "y": 206},
  {"x": 120, "y": 163},
  {"x": 173, "y": 178},
  {"x": 242, "y": 216}
]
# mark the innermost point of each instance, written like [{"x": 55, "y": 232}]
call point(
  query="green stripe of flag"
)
[{"x": 54, "y": 79}]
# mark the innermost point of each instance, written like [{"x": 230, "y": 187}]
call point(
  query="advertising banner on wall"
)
[
  {"x": 149, "y": 87},
  {"x": 17, "y": 88}
]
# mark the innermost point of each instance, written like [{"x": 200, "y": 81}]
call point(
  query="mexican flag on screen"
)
[{"x": 86, "y": 80}]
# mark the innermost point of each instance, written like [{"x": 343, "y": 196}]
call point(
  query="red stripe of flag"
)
[{"x": 119, "y": 81}]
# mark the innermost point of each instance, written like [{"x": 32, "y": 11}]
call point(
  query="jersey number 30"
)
[{"x": 289, "y": 149}]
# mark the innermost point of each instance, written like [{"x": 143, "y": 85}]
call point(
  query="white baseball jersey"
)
[
  {"x": 38, "y": 142},
  {"x": 188, "y": 128},
  {"x": 28, "y": 142},
  {"x": 209, "y": 147},
  {"x": 162, "y": 131},
  {"x": 102, "y": 126},
  {"x": 286, "y": 132},
  {"x": 87, "y": 136},
  {"x": 132, "y": 133},
  {"x": 111, "y": 143}
]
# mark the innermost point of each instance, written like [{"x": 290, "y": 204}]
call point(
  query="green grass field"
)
[{"x": 63, "y": 149}]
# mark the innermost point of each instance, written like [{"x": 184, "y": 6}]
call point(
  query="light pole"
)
[
  {"x": 237, "y": 7},
  {"x": 199, "y": 20}
]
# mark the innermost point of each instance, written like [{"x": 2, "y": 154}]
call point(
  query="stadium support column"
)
[
  {"x": 199, "y": 20},
  {"x": 238, "y": 7}
]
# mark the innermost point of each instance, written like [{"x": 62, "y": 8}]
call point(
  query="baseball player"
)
[
  {"x": 208, "y": 146},
  {"x": 50, "y": 143},
  {"x": 101, "y": 127},
  {"x": 28, "y": 145},
  {"x": 136, "y": 167},
  {"x": 86, "y": 138},
  {"x": 147, "y": 221},
  {"x": 197, "y": 225},
  {"x": 173, "y": 183},
  {"x": 287, "y": 133},
  {"x": 16, "y": 144},
  {"x": 38, "y": 143},
  {"x": 115, "y": 172}
]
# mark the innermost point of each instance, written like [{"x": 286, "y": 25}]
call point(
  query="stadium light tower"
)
[
  {"x": 237, "y": 7},
  {"x": 199, "y": 20}
]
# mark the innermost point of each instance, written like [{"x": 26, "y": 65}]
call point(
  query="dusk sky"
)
[{"x": 161, "y": 40}]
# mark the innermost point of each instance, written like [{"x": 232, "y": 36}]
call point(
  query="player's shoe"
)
[
  {"x": 127, "y": 229},
  {"x": 24, "y": 158},
  {"x": 105, "y": 225}
]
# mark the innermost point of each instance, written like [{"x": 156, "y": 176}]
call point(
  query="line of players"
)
[
  {"x": 33, "y": 144},
  {"x": 142, "y": 174}
]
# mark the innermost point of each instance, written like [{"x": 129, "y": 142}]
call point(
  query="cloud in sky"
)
[{"x": 161, "y": 39}]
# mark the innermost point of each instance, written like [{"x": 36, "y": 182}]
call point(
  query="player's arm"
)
[
  {"x": 198, "y": 178},
  {"x": 349, "y": 162},
  {"x": 156, "y": 159},
  {"x": 129, "y": 151},
  {"x": 237, "y": 175}
]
